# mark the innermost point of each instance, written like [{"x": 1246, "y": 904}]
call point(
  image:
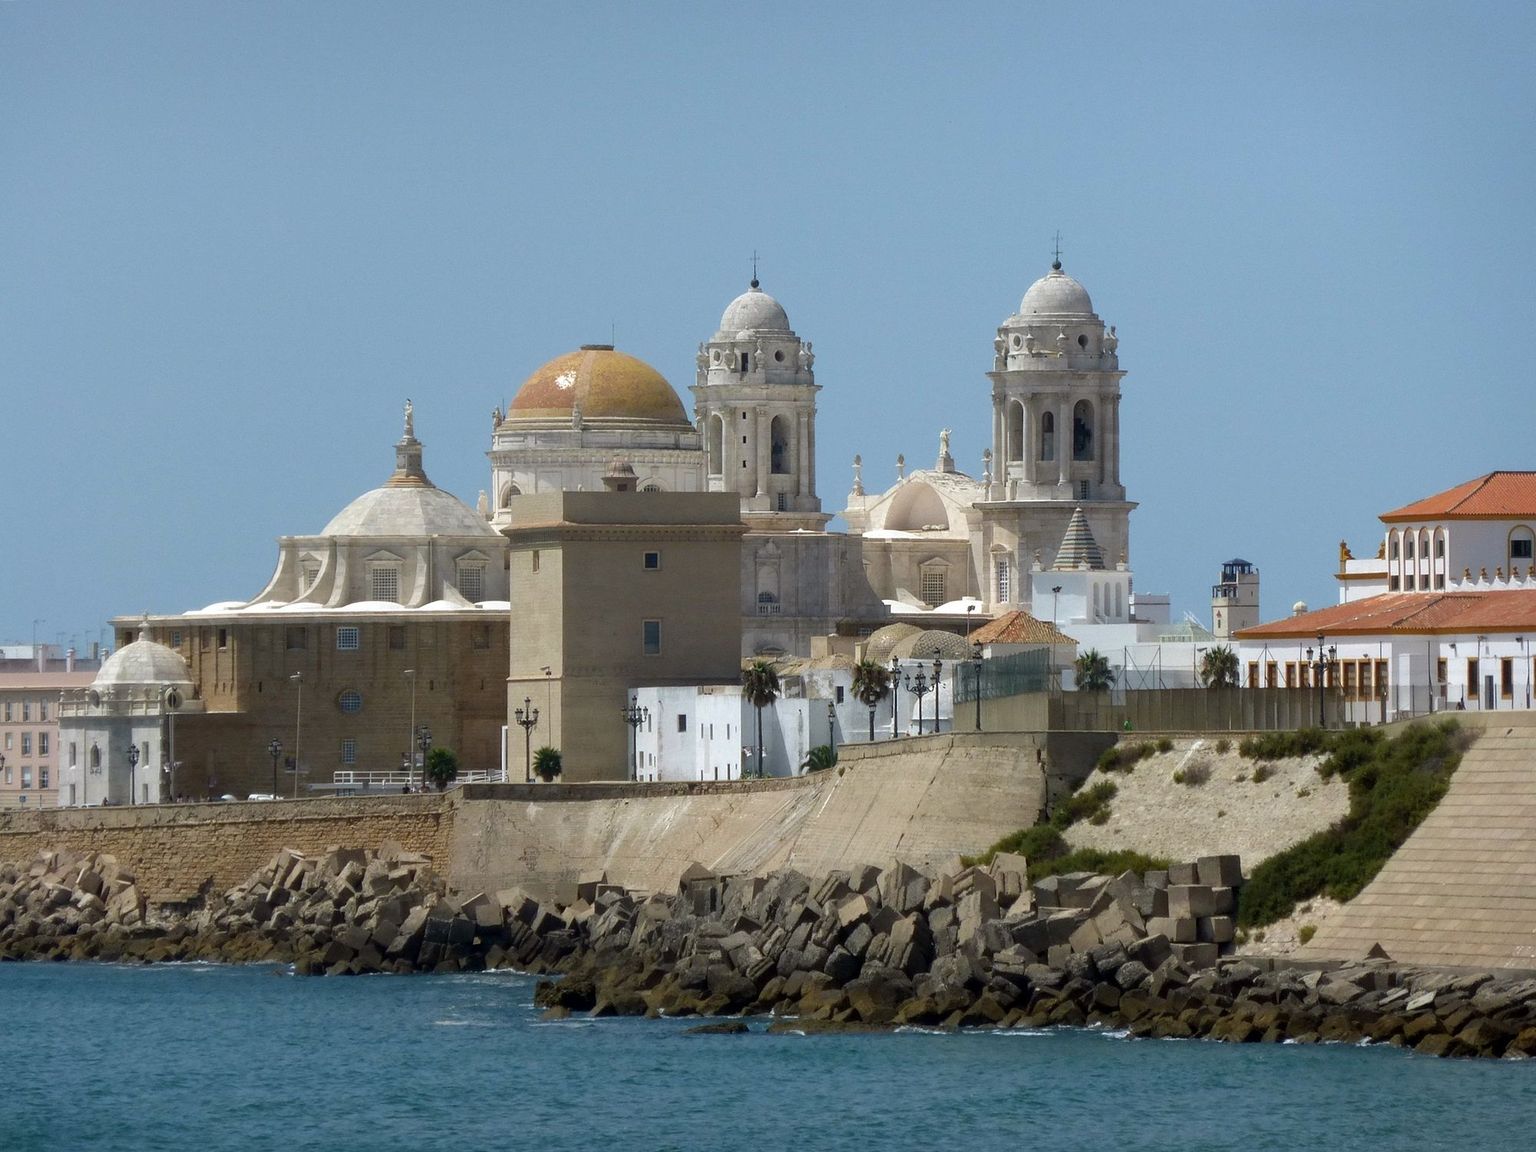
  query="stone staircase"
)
[{"x": 1462, "y": 890}]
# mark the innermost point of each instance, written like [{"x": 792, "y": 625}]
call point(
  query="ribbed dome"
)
[
  {"x": 754, "y": 311},
  {"x": 882, "y": 641},
  {"x": 413, "y": 510},
  {"x": 143, "y": 662},
  {"x": 933, "y": 644},
  {"x": 607, "y": 385},
  {"x": 1056, "y": 294}
]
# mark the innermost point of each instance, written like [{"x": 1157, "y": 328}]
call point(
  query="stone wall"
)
[{"x": 177, "y": 851}]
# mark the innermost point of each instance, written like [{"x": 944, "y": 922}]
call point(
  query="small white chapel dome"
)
[
  {"x": 143, "y": 662},
  {"x": 1056, "y": 294},
  {"x": 754, "y": 311}
]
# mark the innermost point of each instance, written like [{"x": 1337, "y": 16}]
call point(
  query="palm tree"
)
[
  {"x": 547, "y": 763},
  {"x": 1094, "y": 673},
  {"x": 821, "y": 757},
  {"x": 761, "y": 684},
  {"x": 871, "y": 684},
  {"x": 1218, "y": 668}
]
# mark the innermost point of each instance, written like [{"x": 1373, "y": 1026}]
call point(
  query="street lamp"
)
[
  {"x": 298, "y": 727},
  {"x": 976, "y": 664},
  {"x": 1490, "y": 699},
  {"x": 133, "y": 766},
  {"x": 424, "y": 742},
  {"x": 832, "y": 727},
  {"x": 410, "y": 733},
  {"x": 634, "y": 716},
  {"x": 1055, "y": 592},
  {"x": 918, "y": 686},
  {"x": 895, "y": 694},
  {"x": 1325, "y": 660},
  {"x": 527, "y": 717},
  {"x": 1524, "y": 659},
  {"x": 938, "y": 670},
  {"x": 274, "y": 750}
]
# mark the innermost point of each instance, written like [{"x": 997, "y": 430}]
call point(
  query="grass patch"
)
[
  {"x": 1164, "y": 744},
  {"x": 1193, "y": 774},
  {"x": 1124, "y": 758},
  {"x": 1048, "y": 852},
  {"x": 1263, "y": 772},
  {"x": 1084, "y": 805},
  {"x": 1306, "y": 932},
  {"x": 1393, "y": 785},
  {"x": 1284, "y": 745},
  {"x": 1223, "y": 746}
]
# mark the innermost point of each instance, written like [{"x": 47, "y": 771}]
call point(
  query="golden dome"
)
[{"x": 605, "y": 384}]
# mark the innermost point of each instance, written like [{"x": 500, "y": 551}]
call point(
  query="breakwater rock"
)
[{"x": 853, "y": 950}]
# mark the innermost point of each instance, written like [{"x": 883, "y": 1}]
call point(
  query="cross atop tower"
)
[
  {"x": 754, "y": 267},
  {"x": 1056, "y": 263}
]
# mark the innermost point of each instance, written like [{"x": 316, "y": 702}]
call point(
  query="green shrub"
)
[
  {"x": 1223, "y": 746},
  {"x": 1193, "y": 774},
  {"x": 1164, "y": 744},
  {"x": 1391, "y": 790},
  {"x": 1307, "y": 932},
  {"x": 1111, "y": 759},
  {"x": 1283, "y": 745},
  {"x": 1263, "y": 772},
  {"x": 1083, "y": 805},
  {"x": 1099, "y": 817}
]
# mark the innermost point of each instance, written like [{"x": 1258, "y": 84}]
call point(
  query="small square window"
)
[
  {"x": 385, "y": 584},
  {"x": 1520, "y": 549},
  {"x": 349, "y": 751},
  {"x": 42, "y": 743},
  {"x": 348, "y": 640},
  {"x": 26, "y": 743},
  {"x": 651, "y": 636},
  {"x": 652, "y": 561},
  {"x": 42, "y": 776},
  {"x": 176, "y": 638},
  {"x": 472, "y": 583},
  {"x": 839, "y": 693},
  {"x": 223, "y": 637},
  {"x": 26, "y": 711},
  {"x": 294, "y": 638},
  {"x": 682, "y": 721}
]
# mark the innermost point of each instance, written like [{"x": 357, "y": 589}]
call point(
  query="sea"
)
[{"x": 184, "y": 1056}]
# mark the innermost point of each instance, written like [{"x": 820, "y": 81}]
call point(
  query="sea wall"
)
[
  {"x": 922, "y": 800},
  {"x": 179, "y": 851}
]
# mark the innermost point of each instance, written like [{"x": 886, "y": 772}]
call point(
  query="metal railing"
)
[{"x": 396, "y": 779}]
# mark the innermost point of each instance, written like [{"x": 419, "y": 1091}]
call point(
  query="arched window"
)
[
  {"x": 1013, "y": 439},
  {"x": 95, "y": 758},
  {"x": 779, "y": 447},
  {"x": 716, "y": 445},
  {"x": 1048, "y": 436},
  {"x": 1522, "y": 547},
  {"x": 652, "y": 486},
  {"x": 1082, "y": 431},
  {"x": 508, "y": 492}
]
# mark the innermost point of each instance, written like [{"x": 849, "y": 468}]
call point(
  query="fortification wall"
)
[
  {"x": 177, "y": 850},
  {"x": 921, "y": 800}
]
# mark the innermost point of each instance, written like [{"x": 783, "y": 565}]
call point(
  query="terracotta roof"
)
[
  {"x": 1510, "y": 610},
  {"x": 1496, "y": 496},
  {"x": 1019, "y": 628}
]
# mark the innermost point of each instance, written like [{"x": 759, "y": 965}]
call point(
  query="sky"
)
[{"x": 234, "y": 239}]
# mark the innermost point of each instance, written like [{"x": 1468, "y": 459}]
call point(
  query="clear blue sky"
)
[{"x": 234, "y": 237}]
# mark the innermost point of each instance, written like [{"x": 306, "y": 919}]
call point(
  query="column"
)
[
  {"x": 1064, "y": 440},
  {"x": 762, "y": 451},
  {"x": 1029, "y": 437},
  {"x": 1114, "y": 463},
  {"x": 803, "y": 454}
]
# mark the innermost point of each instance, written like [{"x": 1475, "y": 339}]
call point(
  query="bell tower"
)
[{"x": 755, "y": 404}]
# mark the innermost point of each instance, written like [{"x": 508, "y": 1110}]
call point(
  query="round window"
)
[
  {"x": 716, "y": 356},
  {"x": 779, "y": 355},
  {"x": 350, "y": 701},
  {"x": 1082, "y": 341},
  {"x": 1017, "y": 342}
]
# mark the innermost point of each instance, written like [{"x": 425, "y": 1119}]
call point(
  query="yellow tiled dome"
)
[{"x": 605, "y": 384}]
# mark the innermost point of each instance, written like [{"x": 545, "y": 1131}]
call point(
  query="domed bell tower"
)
[{"x": 755, "y": 404}]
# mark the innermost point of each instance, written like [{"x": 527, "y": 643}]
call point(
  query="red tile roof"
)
[
  {"x": 1409, "y": 613},
  {"x": 1496, "y": 496},
  {"x": 1019, "y": 628}
]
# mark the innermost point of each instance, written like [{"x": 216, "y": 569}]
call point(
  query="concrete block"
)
[
  {"x": 1225, "y": 901},
  {"x": 975, "y": 880},
  {"x": 1183, "y": 874},
  {"x": 853, "y": 909},
  {"x": 1058, "y": 955},
  {"x": 1178, "y": 929},
  {"x": 1060, "y": 925},
  {"x": 1157, "y": 878},
  {"x": 977, "y": 905},
  {"x": 1220, "y": 871},
  {"x": 1191, "y": 900},
  {"x": 1085, "y": 936},
  {"x": 1195, "y": 955}
]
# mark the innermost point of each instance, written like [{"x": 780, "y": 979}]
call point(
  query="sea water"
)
[{"x": 174, "y": 1057}]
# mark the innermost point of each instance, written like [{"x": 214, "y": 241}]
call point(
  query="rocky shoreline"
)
[{"x": 871, "y": 948}]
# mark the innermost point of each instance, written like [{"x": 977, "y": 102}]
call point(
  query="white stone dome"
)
[
  {"x": 143, "y": 662},
  {"x": 408, "y": 510},
  {"x": 1056, "y": 294},
  {"x": 754, "y": 311}
]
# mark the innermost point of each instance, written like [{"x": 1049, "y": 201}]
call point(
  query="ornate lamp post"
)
[
  {"x": 832, "y": 727},
  {"x": 133, "y": 767},
  {"x": 634, "y": 716},
  {"x": 938, "y": 672},
  {"x": 918, "y": 686},
  {"x": 895, "y": 695},
  {"x": 424, "y": 742},
  {"x": 274, "y": 750},
  {"x": 976, "y": 667},
  {"x": 527, "y": 718},
  {"x": 1325, "y": 660}
]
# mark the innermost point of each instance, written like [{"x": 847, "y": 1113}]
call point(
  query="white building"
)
[{"x": 1442, "y": 618}]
